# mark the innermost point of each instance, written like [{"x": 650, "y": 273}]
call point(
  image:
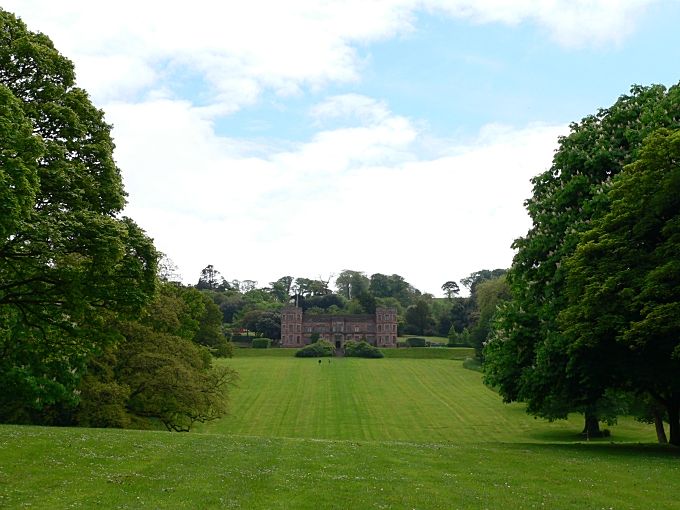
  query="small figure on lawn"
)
[{"x": 319, "y": 362}]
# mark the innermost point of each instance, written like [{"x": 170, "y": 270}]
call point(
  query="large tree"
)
[
  {"x": 529, "y": 358},
  {"x": 68, "y": 261},
  {"x": 351, "y": 283},
  {"x": 159, "y": 372},
  {"x": 624, "y": 283}
]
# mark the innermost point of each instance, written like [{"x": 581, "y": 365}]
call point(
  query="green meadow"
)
[{"x": 352, "y": 433}]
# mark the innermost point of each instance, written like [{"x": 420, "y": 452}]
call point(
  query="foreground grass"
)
[
  {"x": 353, "y": 433},
  {"x": 80, "y": 468}
]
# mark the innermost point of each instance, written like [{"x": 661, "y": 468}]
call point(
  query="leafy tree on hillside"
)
[
  {"x": 471, "y": 282},
  {"x": 418, "y": 317},
  {"x": 530, "y": 358},
  {"x": 68, "y": 262},
  {"x": 211, "y": 279},
  {"x": 451, "y": 289},
  {"x": 281, "y": 288},
  {"x": 351, "y": 284},
  {"x": 393, "y": 286}
]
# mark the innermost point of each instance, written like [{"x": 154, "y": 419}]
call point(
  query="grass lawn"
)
[
  {"x": 272, "y": 352},
  {"x": 353, "y": 433},
  {"x": 459, "y": 353},
  {"x": 435, "y": 339}
]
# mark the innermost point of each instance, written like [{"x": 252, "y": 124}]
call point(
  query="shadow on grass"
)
[{"x": 604, "y": 447}]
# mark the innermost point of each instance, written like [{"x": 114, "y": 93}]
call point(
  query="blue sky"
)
[{"x": 305, "y": 138}]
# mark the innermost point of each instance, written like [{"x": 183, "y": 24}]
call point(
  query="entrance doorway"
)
[{"x": 338, "y": 344}]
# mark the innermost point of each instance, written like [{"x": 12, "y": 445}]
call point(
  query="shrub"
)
[
  {"x": 473, "y": 364},
  {"x": 361, "y": 350},
  {"x": 261, "y": 343},
  {"x": 314, "y": 337},
  {"x": 316, "y": 350},
  {"x": 223, "y": 349},
  {"x": 461, "y": 339},
  {"x": 416, "y": 342}
]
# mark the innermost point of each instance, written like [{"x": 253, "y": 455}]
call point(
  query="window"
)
[{"x": 379, "y": 327}]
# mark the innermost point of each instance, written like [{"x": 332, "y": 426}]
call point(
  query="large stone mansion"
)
[{"x": 380, "y": 329}]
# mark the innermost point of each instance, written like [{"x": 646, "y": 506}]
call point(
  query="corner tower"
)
[
  {"x": 291, "y": 327},
  {"x": 386, "y": 327}
]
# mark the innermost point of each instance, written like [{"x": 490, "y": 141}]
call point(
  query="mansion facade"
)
[{"x": 379, "y": 330}]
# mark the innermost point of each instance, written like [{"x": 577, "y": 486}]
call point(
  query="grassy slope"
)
[
  {"x": 458, "y": 447},
  {"x": 384, "y": 399}
]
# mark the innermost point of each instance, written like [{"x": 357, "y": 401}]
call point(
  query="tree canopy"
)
[
  {"x": 624, "y": 282},
  {"x": 530, "y": 357},
  {"x": 68, "y": 262}
]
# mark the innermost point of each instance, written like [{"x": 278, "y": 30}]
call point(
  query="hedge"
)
[
  {"x": 416, "y": 342},
  {"x": 316, "y": 350},
  {"x": 361, "y": 350},
  {"x": 261, "y": 343}
]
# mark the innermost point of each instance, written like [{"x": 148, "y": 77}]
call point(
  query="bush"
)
[
  {"x": 316, "y": 350},
  {"x": 461, "y": 339},
  {"x": 473, "y": 364},
  {"x": 416, "y": 342},
  {"x": 361, "y": 350},
  {"x": 261, "y": 343},
  {"x": 223, "y": 349},
  {"x": 241, "y": 338}
]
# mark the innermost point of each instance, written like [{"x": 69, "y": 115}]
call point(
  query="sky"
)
[{"x": 303, "y": 138}]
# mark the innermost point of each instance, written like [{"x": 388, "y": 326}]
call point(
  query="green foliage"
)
[
  {"x": 451, "y": 288},
  {"x": 530, "y": 358},
  {"x": 416, "y": 342},
  {"x": 211, "y": 279},
  {"x": 627, "y": 307},
  {"x": 418, "y": 317},
  {"x": 69, "y": 263},
  {"x": 457, "y": 339},
  {"x": 489, "y": 294},
  {"x": 223, "y": 349},
  {"x": 316, "y": 350},
  {"x": 351, "y": 284},
  {"x": 158, "y": 373},
  {"x": 261, "y": 343},
  {"x": 361, "y": 350},
  {"x": 314, "y": 337},
  {"x": 478, "y": 277}
]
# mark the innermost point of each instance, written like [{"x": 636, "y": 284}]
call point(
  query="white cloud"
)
[
  {"x": 357, "y": 197},
  {"x": 360, "y": 196},
  {"x": 572, "y": 23},
  {"x": 237, "y": 50},
  {"x": 351, "y": 106}
]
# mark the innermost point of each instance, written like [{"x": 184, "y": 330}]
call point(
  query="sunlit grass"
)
[{"x": 352, "y": 433}]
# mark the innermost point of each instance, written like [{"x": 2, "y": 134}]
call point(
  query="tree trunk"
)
[
  {"x": 660, "y": 431},
  {"x": 591, "y": 427},
  {"x": 673, "y": 408}
]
